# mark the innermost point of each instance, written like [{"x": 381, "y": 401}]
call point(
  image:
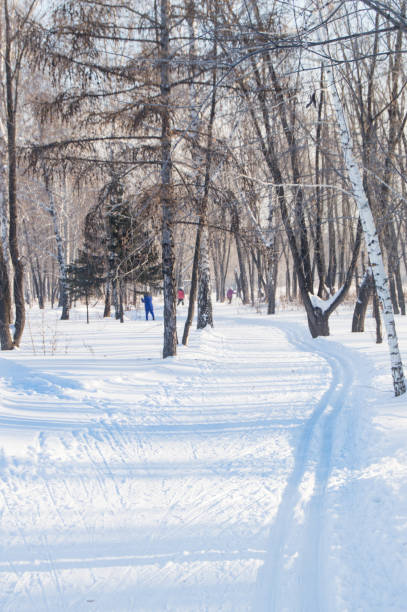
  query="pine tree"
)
[{"x": 86, "y": 277}]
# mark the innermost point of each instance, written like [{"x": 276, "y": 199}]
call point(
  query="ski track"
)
[
  {"x": 294, "y": 542},
  {"x": 208, "y": 466}
]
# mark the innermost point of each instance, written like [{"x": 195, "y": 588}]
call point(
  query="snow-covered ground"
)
[{"x": 258, "y": 470}]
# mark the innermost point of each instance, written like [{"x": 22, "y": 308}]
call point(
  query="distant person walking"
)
[
  {"x": 147, "y": 300},
  {"x": 229, "y": 294},
  {"x": 181, "y": 296}
]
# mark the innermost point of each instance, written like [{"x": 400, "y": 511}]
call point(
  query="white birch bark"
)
[
  {"x": 205, "y": 310},
  {"x": 371, "y": 236},
  {"x": 4, "y": 224},
  {"x": 4, "y": 230},
  {"x": 205, "y": 313},
  {"x": 6, "y": 340},
  {"x": 61, "y": 254}
]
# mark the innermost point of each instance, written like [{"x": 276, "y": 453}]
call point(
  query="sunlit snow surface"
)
[{"x": 257, "y": 470}]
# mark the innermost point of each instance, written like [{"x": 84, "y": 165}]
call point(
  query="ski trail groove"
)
[{"x": 309, "y": 593}]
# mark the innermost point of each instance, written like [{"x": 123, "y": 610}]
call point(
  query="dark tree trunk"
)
[
  {"x": 287, "y": 275},
  {"x": 376, "y": 314},
  {"x": 272, "y": 272},
  {"x": 250, "y": 265},
  {"x": 12, "y": 189},
  {"x": 332, "y": 261},
  {"x": 319, "y": 245},
  {"x": 216, "y": 270},
  {"x": 205, "y": 311},
  {"x": 167, "y": 204},
  {"x": 6, "y": 340},
  {"x": 115, "y": 295},
  {"x": 108, "y": 300},
  {"x": 38, "y": 284},
  {"x": 244, "y": 287},
  {"x": 87, "y": 307},
  {"x": 193, "y": 288},
  {"x": 392, "y": 288},
  {"x": 238, "y": 285},
  {"x": 359, "y": 313},
  {"x": 318, "y": 323},
  {"x": 294, "y": 291},
  {"x": 53, "y": 296},
  {"x": 37, "y": 288},
  {"x": 121, "y": 307},
  {"x": 288, "y": 284},
  {"x": 399, "y": 286},
  {"x": 224, "y": 264},
  {"x": 65, "y": 300}
]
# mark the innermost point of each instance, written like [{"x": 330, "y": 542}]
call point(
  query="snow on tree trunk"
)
[{"x": 371, "y": 236}]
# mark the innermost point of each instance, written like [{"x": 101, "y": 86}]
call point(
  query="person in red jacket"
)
[{"x": 181, "y": 296}]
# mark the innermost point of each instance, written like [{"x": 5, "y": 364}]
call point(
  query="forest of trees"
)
[{"x": 200, "y": 143}]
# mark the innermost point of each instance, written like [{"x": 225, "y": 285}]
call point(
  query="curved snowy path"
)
[
  {"x": 192, "y": 484},
  {"x": 295, "y": 575}
]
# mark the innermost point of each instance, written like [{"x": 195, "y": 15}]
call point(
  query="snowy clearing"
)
[{"x": 258, "y": 470}]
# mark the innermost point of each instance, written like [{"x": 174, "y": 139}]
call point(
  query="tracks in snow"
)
[
  {"x": 294, "y": 577},
  {"x": 170, "y": 482}
]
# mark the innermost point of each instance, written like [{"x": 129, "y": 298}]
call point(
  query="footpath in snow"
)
[{"x": 259, "y": 470}]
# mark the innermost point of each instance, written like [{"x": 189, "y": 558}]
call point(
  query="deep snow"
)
[{"x": 257, "y": 470}]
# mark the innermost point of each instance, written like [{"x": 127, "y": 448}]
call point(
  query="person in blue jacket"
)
[{"x": 147, "y": 300}]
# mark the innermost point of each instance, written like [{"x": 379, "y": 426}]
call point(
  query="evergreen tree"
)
[
  {"x": 119, "y": 248},
  {"x": 86, "y": 277}
]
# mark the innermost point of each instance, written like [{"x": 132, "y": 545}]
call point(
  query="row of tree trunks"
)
[
  {"x": 389, "y": 233},
  {"x": 241, "y": 255},
  {"x": 367, "y": 288},
  {"x": 201, "y": 289},
  {"x": 371, "y": 236},
  {"x": 365, "y": 291}
]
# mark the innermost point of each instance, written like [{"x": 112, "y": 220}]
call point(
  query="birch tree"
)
[
  {"x": 12, "y": 24},
  {"x": 167, "y": 202},
  {"x": 51, "y": 208},
  {"x": 369, "y": 230},
  {"x": 200, "y": 288},
  {"x": 6, "y": 340}
]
